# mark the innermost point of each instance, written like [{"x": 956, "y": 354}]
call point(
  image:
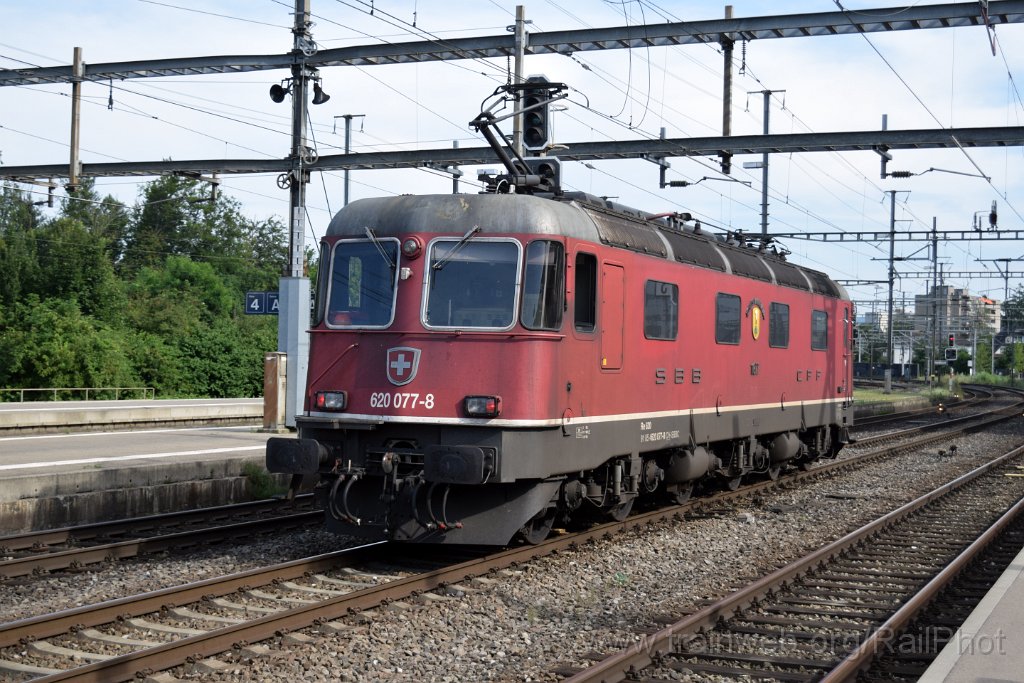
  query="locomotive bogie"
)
[{"x": 486, "y": 366}]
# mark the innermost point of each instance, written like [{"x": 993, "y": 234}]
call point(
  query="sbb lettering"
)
[{"x": 678, "y": 376}]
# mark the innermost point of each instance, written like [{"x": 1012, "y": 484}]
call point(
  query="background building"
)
[{"x": 947, "y": 310}]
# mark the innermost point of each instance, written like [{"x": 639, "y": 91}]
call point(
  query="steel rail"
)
[
  {"x": 981, "y": 419},
  {"x": 643, "y": 653},
  {"x": 47, "y": 625},
  {"x": 862, "y": 657},
  {"x": 870, "y": 420},
  {"x": 77, "y": 557},
  {"x": 84, "y": 532},
  {"x": 220, "y": 640}
]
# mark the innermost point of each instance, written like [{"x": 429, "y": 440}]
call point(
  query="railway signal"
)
[
  {"x": 548, "y": 170},
  {"x": 537, "y": 113}
]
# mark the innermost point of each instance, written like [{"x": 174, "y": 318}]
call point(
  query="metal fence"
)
[{"x": 76, "y": 393}]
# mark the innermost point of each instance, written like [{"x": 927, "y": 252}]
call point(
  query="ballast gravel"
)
[{"x": 521, "y": 624}]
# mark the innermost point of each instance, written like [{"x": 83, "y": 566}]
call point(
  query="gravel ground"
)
[
  {"x": 31, "y": 596},
  {"x": 519, "y": 625}
]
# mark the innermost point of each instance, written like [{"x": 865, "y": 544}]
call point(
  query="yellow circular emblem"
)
[{"x": 755, "y": 322}]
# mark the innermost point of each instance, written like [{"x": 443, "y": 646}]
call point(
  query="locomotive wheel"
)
[
  {"x": 622, "y": 510},
  {"x": 682, "y": 493},
  {"x": 538, "y": 528}
]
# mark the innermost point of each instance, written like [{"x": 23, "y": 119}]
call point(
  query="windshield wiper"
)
[
  {"x": 454, "y": 250},
  {"x": 380, "y": 248}
]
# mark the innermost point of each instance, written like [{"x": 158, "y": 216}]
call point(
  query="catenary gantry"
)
[{"x": 554, "y": 42}]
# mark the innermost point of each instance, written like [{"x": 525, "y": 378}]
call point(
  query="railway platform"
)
[
  {"x": 76, "y": 462},
  {"x": 43, "y": 416},
  {"x": 989, "y": 646}
]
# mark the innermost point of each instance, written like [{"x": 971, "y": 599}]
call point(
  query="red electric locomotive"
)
[{"x": 482, "y": 365}]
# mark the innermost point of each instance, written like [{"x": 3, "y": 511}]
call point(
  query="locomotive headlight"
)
[
  {"x": 482, "y": 406},
  {"x": 331, "y": 400},
  {"x": 411, "y": 247}
]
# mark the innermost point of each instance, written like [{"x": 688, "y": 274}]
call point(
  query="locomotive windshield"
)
[
  {"x": 364, "y": 274},
  {"x": 472, "y": 284}
]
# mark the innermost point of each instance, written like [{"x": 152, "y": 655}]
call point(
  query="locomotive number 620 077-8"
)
[{"x": 400, "y": 399}]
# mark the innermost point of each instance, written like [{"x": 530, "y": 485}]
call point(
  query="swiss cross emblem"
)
[{"x": 403, "y": 361}]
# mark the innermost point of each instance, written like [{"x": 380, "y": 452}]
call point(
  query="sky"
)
[{"x": 919, "y": 79}]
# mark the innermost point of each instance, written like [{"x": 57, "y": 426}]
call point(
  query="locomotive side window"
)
[
  {"x": 472, "y": 284},
  {"x": 661, "y": 310},
  {"x": 778, "y": 325},
  {"x": 847, "y": 345},
  {"x": 586, "y": 292},
  {"x": 322, "y": 269},
  {"x": 364, "y": 276},
  {"x": 544, "y": 286},
  {"x": 727, "y": 319},
  {"x": 819, "y": 330}
]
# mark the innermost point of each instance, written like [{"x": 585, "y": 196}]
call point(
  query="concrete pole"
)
[
  {"x": 348, "y": 147},
  {"x": 934, "y": 299},
  {"x": 727, "y": 47},
  {"x": 293, "y": 318},
  {"x": 455, "y": 176},
  {"x": 892, "y": 282},
  {"x": 764, "y": 172},
  {"x": 77, "y": 72},
  {"x": 297, "y": 186}
]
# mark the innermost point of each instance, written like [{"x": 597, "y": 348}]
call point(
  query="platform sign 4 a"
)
[{"x": 262, "y": 303}]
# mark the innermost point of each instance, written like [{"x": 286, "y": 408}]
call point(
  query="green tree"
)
[
  {"x": 19, "y": 267},
  {"x": 52, "y": 344},
  {"x": 226, "y": 359},
  {"x": 962, "y": 364},
  {"x": 1013, "y": 312},
  {"x": 983, "y": 359},
  {"x": 105, "y": 218},
  {"x": 73, "y": 264},
  {"x": 103, "y": 295},
  {"x": 1017, "y": 359},
  {"x": 167, "y": 222},
  {"x": 178, "y": 217},
  {"x": 180, "y": 298}
]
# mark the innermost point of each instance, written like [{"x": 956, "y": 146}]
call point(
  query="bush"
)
[{"x": 259, "y": 482}]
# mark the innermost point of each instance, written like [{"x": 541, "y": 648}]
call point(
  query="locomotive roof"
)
[{"x": 577, "y": 216}]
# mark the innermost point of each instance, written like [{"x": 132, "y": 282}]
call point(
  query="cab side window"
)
[
  {"x": 727, "y": 319},
  {"x": 778, "y": 325},
  {"x": 661, "y": 310},
  {"x": 585, "y": 314},
  {"x": 819, "y": 330},
  {"x": 544, "y": 286}
]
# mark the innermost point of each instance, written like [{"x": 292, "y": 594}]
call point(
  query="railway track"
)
[
  {"x": 830, "y": 614},
  {"x": 945, "y": 426},
  {"x": 78, "y": 547},
  {"x": 156, "y": 631},
  {"x": 75, "y": 548},
  {"x": 973, "y": 396}
]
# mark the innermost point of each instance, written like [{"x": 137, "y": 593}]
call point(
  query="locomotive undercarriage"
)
[{"x": 487, "y": 486}]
